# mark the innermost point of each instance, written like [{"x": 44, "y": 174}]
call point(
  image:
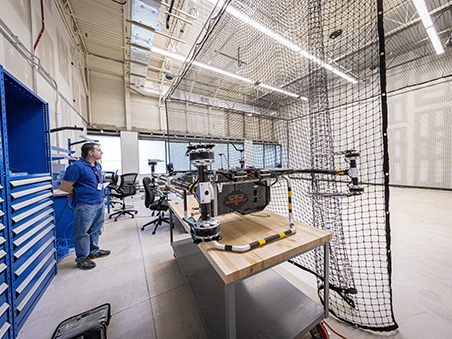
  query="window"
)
[
  {"x": 220, "y": 152},
  {"x": 111, "y": 148},
  {"x": 258, "y": 156},
  {"x": 151, "y": 149},
  {"x": 177, "y": 155},
  {"x": 235, "y": 154}
]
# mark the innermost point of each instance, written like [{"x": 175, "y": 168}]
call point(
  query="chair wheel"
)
[
  {"x": 136, "y": 212},
  {"x": 133, "y": 216},
  {"x": 153, "y": 232},
  {"x": 142, "y": 228}
]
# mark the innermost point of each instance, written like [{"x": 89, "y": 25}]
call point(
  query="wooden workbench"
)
[
  {"x": 218, "y": 309},
  {"x": 239, "y": 229}
]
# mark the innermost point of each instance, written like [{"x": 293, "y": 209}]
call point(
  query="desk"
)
[
  {"x": 63, "y": 223},
  {"x": 236, "y": 294}
]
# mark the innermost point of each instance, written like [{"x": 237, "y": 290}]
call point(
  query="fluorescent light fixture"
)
[
  {"x": 422, "y": 10},
  {"x": 220, "y": 71},
  {"x": 167, "y": 54},
  {"x": 433, "y": 35},
  {"x": 253, "y": 23}
]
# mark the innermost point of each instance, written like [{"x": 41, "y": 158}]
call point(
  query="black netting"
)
[{"x": 297, "y": 84}]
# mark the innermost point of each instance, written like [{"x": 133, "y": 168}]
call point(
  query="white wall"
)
[
  {"x": 68, "y": 66},
  {"x": 420, "y": 135},
  {"x": 57, "y": 56},
  {"x": 146, "y": 115},
  {"x": 107, "y": 99}
]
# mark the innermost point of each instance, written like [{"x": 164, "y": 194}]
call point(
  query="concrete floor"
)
[{"x": 149, "y": 298}]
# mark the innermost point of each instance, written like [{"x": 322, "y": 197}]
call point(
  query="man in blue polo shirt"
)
[{"x": 83, "y": 182}]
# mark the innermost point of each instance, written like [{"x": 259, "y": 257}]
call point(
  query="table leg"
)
[
  {"x": 229, "y": 290},
  {"x": 171, "y": 225},
  {"x": 326, "y": 262}
]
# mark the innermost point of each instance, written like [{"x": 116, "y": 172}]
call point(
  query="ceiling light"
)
[
  {"x": 422, "y": 10},
  {"x": 231, "y": 10},
  {"x": 433, "y": 35},
  {"x": 232, "y": 75}
]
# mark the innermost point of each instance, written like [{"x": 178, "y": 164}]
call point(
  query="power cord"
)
[{"x": 340, "y": 335}]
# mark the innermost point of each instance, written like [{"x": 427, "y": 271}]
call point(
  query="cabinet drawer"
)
[
  {"x": 5, "y": 327},
  {"x": 30, "y": 201},
  {"x": 4, "y": 290},
  {"x": 23, "y": 253},
  {"x": 21, "y": 182},
  {"x": 31, "y": 232},
  {"x": 27, "y": 191},
  {"x": 30, "y": 212},
  {"x": 27, "y": 265},
  {"x": 27, "y": 288},
  {"x": 30, "y": 300},
  {"x": 3, "y": 272},
  {"x": 24, "y": 224}
]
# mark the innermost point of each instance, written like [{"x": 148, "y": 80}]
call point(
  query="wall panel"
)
[
  {"x": 420, "y": 136},
  {"x": 107, "y": 99}
]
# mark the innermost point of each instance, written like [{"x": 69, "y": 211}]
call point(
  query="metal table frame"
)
[{"x": 230, "y": 291}]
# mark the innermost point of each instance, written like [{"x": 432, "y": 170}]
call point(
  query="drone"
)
[{"x": 242, "y": 190}]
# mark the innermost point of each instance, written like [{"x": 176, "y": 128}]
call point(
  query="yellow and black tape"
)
[
  {"x": 192, "y": 188},
  {"x": 269, "y": 239},
  {"x": 289, "y": 192}
]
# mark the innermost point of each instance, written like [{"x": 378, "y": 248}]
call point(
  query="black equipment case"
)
[{"x": 90, "y": 324}]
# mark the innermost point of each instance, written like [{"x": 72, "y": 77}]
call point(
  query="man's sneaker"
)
[
  {"x": 100, "y": 254},
  {"x": 86, "y": 264}
]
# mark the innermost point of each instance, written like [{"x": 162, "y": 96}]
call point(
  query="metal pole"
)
[
  {"x": 229, "y": 299},
  {"x": 326, "y": 262},
  {"x": 171, "y": 225}
]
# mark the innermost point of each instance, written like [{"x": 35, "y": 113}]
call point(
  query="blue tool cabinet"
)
[{"x": 27, "y": 229}]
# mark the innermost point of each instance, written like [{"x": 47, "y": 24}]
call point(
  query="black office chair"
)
[
  {"x": 159, "y": 206},
  {"x": 126, "y": 188},
  {"x": 113, "y": 181}
]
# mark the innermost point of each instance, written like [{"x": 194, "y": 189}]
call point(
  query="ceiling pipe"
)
[
  {"x": 180, "y": 11},
  {"x": 179, "y": 18},
  {"x": 42, "y": 28}
]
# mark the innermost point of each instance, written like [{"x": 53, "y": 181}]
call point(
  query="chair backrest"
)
[
  {"x": 149, "y": 195},
  {"x": 127, "y": 184},
  {"x": 111, "y": 177},
  {"x": 108, "y": 176}
]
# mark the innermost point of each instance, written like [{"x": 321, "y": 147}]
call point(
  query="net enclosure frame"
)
[{"x": 308, "y": 76}]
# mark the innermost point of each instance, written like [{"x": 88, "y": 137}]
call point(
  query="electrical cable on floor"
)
[
  {"x": 340, "y": 335},
  {"x": 64, "y": 249}
]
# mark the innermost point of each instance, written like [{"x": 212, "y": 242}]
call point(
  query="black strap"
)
[{"x": 96, "y": 172}]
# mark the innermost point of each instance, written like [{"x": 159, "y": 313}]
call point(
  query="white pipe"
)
[
  {"x": 235, "y": 248},
  {"x": 180, "y": 11}
]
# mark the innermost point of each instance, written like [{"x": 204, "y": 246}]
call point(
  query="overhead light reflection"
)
[
  {"x": 232, "y": 75},
  {"x": 253, "y": 23}
]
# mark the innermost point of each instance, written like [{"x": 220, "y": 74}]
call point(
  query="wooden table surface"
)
[{"x": 239, "y": 229}]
